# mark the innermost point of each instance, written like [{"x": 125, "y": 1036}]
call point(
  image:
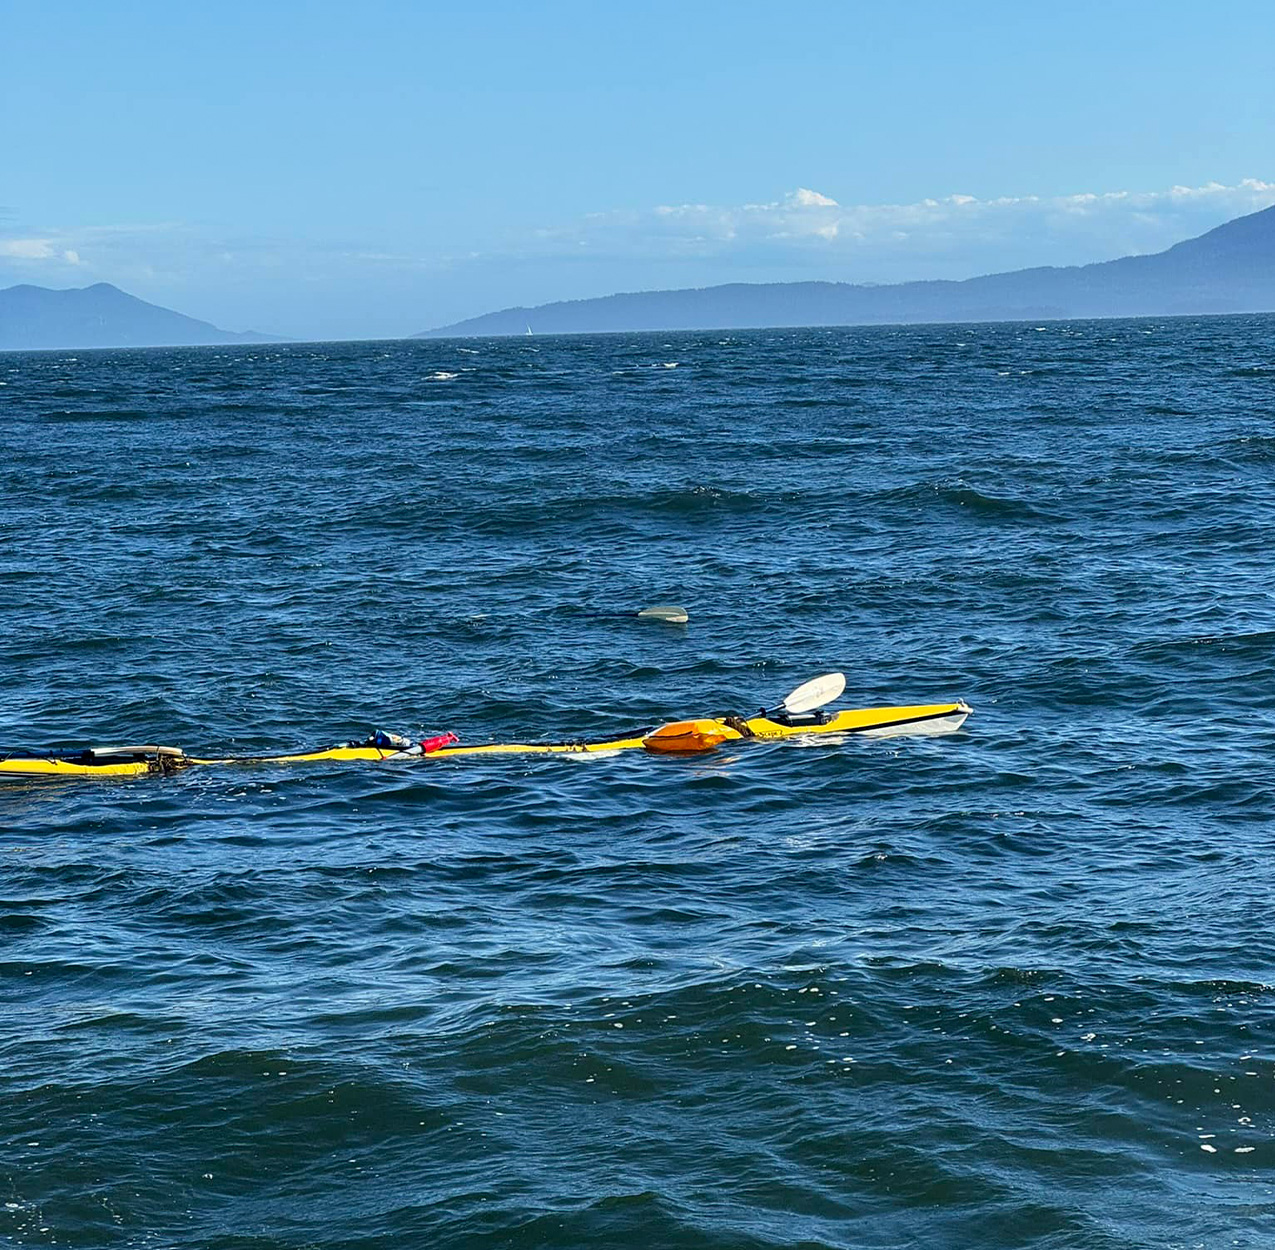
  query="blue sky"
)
[{"x": 353, "y": 170}]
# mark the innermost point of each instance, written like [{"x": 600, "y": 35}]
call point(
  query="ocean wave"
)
[{"x": 995, "y": 988}]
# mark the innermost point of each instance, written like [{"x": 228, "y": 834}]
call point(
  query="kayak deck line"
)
[{"x": 678, "y": 737}]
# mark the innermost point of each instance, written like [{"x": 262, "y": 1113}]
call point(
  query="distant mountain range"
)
[
  {"x": 99, "y": 316},
  {"x": 1230, "y": 269}
]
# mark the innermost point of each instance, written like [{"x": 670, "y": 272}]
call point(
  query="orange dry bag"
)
[{"x": 687, "y": 736}]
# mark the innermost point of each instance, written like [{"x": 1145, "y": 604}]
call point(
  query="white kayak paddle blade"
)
[
  {"x": 669, "y": 613},
  {"x": 814, "y": 693}
]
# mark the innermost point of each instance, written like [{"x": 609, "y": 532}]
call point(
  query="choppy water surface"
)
[{"x": 1013, "y": 987}]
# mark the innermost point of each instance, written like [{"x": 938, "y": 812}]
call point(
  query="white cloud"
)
[
  {"x": 27, "y": 249},
  {"x": 952, "y": 235},
  {"x": 38, "y": 249},
  {"x": 802, "y": 197}
]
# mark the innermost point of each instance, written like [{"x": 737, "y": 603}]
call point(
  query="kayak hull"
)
[
  {"x": 873, "y": 722},
  {"x": 39, "y": 766}
]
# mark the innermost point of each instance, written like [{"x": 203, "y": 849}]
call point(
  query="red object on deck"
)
[{"x": 433, "y": 744}]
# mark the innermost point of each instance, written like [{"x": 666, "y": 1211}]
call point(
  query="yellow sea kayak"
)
[{"x": 680, "y": 737}]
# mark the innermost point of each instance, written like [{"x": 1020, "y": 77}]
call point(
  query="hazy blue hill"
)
[
  {"x": 99, "y": 316},
  {"x": 1230, "y": 269}
]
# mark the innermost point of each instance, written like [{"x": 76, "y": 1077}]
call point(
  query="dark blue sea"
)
[{"x": 1013, "y": 987}]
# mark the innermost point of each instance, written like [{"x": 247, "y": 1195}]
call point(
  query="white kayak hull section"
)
[{"x": 922, "y": 729}]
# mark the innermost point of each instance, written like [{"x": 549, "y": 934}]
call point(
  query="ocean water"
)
[{"x": 1012, "y": 987}]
